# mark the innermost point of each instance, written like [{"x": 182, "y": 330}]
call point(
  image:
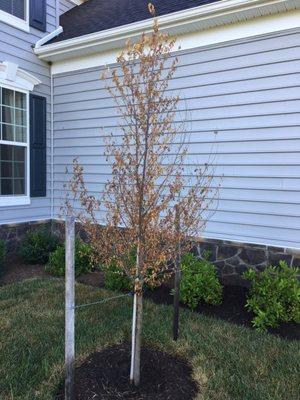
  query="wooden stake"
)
[
  {"x": 133, "y": 335},
  {"x": 69, "y": 308},
  {"x": 136, "y": 335},
  {"x": 177, "y": 278},
  {"x": 138, "y": 341}
]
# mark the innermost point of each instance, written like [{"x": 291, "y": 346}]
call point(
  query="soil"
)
[
  {"x": 232, "y": 309},
  {"x": 94, "y": 278},
  {"x": 105, "y": 375},
  {"x": 16, "y": 271}
]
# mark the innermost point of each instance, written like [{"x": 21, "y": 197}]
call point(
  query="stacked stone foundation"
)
[{"x": 232, "y": 259}]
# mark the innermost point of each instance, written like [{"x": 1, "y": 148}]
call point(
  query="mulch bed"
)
[
  {"x": 232, "y": 309},
  {"x": 105, "y": 375},
  {"x": 16, "y": 271},
  {"x": 95, "y": 279}
]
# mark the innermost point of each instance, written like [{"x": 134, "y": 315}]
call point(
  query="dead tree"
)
[{"x": 148, "y": 178}]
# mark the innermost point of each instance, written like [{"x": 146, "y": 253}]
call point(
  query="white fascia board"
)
[
  {"x": 194, "y": 19},
  {"x": 77, "y": 2},
  {"x": 240, "y": 30}
]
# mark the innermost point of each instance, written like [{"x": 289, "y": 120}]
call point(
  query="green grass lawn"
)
[{"x": 229, "y": 362}]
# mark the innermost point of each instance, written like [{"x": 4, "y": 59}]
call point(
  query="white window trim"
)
[
  {"x": 19, "y": 199},
  {"x": 19, "y": 23},
  {"x": 14, "y": 78}
]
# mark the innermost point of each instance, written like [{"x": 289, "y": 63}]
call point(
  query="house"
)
[{"x": 239, "y": 74}]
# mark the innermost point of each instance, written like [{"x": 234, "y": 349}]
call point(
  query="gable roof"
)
[{"x": 99, "y": 15}]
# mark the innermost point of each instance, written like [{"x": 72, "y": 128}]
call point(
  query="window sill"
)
[
  {"x": 14, "y": 21},
  {"x": 14, "y": 201}
]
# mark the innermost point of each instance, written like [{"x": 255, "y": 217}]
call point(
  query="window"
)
[
  {"x": 15, "y": 12},
  {"x": 16, "y": 86},
  {"x": 14, "y": 7},
  {"x": 13, "y": 145}
]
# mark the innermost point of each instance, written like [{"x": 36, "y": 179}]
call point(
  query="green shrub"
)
[
  {"x": 199, "y": 282},
  {"x": 37, "y": 245},
  {"x": 274, "y": 296},
  {"x": 83, "y": 259},
  {"x": 2, "y": 255},
  {"x": 116, "y": 279}
]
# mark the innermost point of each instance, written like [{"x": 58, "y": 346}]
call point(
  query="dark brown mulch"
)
[
  {"x": 105, "y": 376},
  {"x": 16, "y": 271},
  {"x": 232, "y": 309},
  {"x": 94, "y": 278}
]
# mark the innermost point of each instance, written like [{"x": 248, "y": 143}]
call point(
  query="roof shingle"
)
[{"x": 98, "y": 15}]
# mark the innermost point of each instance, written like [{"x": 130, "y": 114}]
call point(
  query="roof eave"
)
[{"x": 193, "y": 19}]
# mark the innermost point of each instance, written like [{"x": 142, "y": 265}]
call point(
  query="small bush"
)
[
  {"x": 116, "y": 279},
  {"x": 83, "y": 259},
  {"x": 37, "y": 245},
  {"x": 2, "y": 255},
  {"x": 274, "y": 296},
  {"x": 199, "y": 282}
]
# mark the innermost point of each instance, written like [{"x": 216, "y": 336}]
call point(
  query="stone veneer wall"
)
[
  {"x": 231, "y": 258},
  {"x": 13, "y": 234}
]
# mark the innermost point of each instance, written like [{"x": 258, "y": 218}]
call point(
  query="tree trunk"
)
[{"x": 135, "y": 373}]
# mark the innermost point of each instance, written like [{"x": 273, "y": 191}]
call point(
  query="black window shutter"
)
[
  {"x": 37, "y": 146},
  {"x": 38, "y": 14}
]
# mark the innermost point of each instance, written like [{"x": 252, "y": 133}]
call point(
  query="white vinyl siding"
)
[
  {"x": 16, "y": 47},
  {"x": 247, "y": 91},
  {"x": 65, "y": 5}
]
